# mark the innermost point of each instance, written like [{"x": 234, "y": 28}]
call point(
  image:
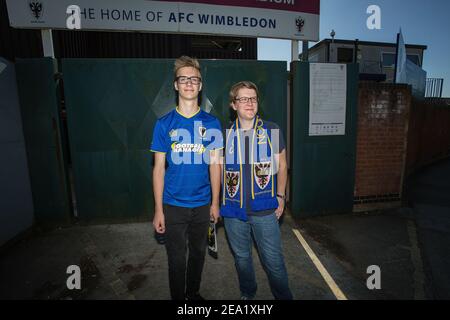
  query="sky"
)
[{"x": 422, "y": 22}]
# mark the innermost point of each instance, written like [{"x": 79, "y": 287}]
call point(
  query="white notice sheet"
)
[{"x": 327, "y": 99}]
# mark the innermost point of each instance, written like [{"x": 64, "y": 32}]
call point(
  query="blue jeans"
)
[{"x": 266, "y": 232}]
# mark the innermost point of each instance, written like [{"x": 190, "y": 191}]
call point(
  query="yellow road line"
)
[{"x": 325, "y": 275}]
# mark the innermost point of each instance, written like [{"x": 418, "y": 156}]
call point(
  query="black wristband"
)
[{"x": 281, "y": 196}]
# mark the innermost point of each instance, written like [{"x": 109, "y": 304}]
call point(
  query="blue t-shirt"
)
[{"x": 187, "y": 142}]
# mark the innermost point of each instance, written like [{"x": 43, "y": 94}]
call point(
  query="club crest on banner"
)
[
  {"x": 36, "y": 8},
  {"x": 232, "y": 182},
  {"x": 263, "y": 174}
]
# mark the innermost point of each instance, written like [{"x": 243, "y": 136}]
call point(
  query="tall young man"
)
[
  {"x": 254, "y": 184},
  {"x": 187, "y": 139}
]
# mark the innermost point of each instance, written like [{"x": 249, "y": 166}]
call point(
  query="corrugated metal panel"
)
[{"x": 92, "y": 44}]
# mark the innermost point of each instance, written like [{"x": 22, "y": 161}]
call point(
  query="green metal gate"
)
[
  {"x": 41, "y": 125},
  {"x": 322, "y": 167},
  {"x": 112, "y": 106}
]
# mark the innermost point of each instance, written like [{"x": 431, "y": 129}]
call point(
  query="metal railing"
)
[{"x": 433, "y": 87}]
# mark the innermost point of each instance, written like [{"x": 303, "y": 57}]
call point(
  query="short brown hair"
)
[
  {"x": 185, "y": 61},
  {"x": 242, "y": 84}
]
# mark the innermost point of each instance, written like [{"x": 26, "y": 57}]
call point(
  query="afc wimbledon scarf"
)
[{"x": 263, "y": 184}]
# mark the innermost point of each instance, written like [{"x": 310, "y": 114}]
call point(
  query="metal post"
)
[
  {"x": 294, "y": 50},
  {"x": 47, "y": 43},
  {"x": 355, "y": 58},
  {"x": 305, "y": 51},
  {"x": 294, "y": 57}
]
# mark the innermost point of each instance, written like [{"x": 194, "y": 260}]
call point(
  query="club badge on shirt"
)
[{"x": 202, "y": 131}]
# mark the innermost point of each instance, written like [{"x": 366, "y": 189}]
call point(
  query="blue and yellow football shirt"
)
[{"x": 187, "y": 142}]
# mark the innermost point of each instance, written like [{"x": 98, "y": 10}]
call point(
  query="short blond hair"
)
[
  {"x": 185, "y": 61},
  {"x": 238, "y": 86}
]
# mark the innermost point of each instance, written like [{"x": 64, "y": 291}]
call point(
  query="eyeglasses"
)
[
  {"x": 247, "y": 99},
  {"x": 184, "y": 79}
]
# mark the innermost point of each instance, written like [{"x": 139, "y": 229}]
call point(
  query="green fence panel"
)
[
  {"x": 112, "y": 106},
  {"x": 41, "y": 124},
  {"x": 322, "y": 167},
  {"x": 270, "y": 77}
]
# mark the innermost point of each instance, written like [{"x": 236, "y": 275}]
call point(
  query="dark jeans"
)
[{"x": 185, "y": 228}]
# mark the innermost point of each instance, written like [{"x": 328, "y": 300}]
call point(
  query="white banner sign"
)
[{"x": 283, "y": 19}]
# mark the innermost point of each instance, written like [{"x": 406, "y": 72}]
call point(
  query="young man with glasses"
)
[
  {"x": 187, "y": 139},
  {"x": 253, "y": 194}
]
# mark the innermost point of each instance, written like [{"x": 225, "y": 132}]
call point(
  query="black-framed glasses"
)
[
  {"x": 184, "y": 79},
  {"x": 247, "y": 99}
]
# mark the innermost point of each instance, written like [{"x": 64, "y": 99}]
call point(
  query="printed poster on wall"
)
[{"x": 327, "y": 99}]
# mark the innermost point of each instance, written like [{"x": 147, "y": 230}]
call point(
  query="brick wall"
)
[
  {"x": 383, "y": 112},
  {"x": 429, "y": 133}
]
